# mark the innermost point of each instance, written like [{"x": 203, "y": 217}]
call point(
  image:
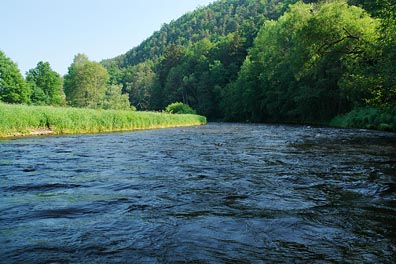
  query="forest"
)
[{"x": 283, "y": 61}]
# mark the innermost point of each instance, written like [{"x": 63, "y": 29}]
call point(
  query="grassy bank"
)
[
  {"x": 368, "y": 118},
  {"x": 21, "y": 120}
]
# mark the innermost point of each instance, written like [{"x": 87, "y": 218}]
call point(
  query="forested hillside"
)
[
  {"x": 267, "y": 61},
  {"x": 192, "y": 59},
  {"x": 242, "y": 60},
  {"x": 216, "y": 20}
]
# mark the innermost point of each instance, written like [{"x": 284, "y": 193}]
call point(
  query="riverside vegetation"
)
[
  {"x": 19, "y": 120},
  {"x": 283, "y": 61}
]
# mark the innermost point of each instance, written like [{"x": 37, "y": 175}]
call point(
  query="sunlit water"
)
[{"x": 221, "y": 193}]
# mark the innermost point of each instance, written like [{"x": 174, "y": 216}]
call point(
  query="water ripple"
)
[{"x": 221, "y": 193}]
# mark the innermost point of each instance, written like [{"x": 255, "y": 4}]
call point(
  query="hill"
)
[
  {"x": 217, "y": 36},
  {"x": 266, "y": 60},
  {"x": 218, "y": 19}
]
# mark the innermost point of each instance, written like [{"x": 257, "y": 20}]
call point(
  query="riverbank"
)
[
  {"x": 367, "y": 118},
  {"x": 23, "y": 120}
]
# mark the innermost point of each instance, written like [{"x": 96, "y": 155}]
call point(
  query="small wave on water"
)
[{"x": 220, "y": 193}]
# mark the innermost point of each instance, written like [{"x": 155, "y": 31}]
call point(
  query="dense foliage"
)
[
  {"x": 219, "y": 19},
  {"x": 295, "y": 70},
  {"x": 243, "y": 60},
  {"x": 192, "y": 59},
  {"x": 85, "y": 82},
  {"x": 368, "y": 117},
  {"x": 87, "y": 85},
  {"x": 266, "y": 61},
  {"x": 46, "y": 85},
  {"x": 179, "y": 108},
  {"x": 13, "y": 88}
]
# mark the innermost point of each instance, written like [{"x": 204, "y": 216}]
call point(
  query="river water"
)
[{"x": 220, "y": 193}]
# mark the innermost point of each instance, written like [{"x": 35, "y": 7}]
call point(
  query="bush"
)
[
  {"x": 370, "y": 118},
  {"x": 179, "y": 108}
]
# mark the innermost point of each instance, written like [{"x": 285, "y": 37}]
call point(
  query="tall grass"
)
[
  {"x": 369, "y": 118},
  {"x": 18, "y": 120}
]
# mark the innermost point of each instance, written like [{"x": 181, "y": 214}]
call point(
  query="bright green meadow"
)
[{"x": 22, "y": 120}]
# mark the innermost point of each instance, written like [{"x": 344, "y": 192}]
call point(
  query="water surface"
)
[{"x": 220, "y": 193}]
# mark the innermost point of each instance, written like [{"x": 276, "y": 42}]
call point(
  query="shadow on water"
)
[{"x": 228, "y": 193}]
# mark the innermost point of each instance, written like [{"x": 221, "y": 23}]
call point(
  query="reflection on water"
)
[{"x": 217, "y": 193}]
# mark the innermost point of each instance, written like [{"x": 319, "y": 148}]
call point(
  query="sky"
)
[{"x": 55, "y": 31}]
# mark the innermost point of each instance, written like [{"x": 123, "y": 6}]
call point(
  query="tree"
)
[
  {"x": 336, "y": 50},
  {"x": 138, "y": 81},
  {"x": 46, "y": 85},
  {"x": 179, "y": 108},
  {"x": 85, "y": 83},
  {"x": 161, "y": 96},
  {"x": 383, "y": 89},
  {"x": 294, "y": 71},
  {"x": 13, "y": 88},
  {"x": 114, "y": 99},
  {"x": 388, "y": 39}
]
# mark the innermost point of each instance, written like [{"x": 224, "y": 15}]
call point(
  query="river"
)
[{"x": 220, "y": 193}]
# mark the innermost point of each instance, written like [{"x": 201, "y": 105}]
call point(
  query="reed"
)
[{"x": 21, "y": 120}]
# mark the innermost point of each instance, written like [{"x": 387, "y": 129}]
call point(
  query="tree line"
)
[
  {"x": 239, "y": 60},
  {"x": 85, "y": 85}
]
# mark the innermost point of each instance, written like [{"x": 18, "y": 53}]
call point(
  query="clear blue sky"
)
[{"x": 56, "y": 30}]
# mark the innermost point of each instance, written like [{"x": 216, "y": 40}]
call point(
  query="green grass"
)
[
  {"x": 20, "y": 120},
  {"x": 368, "y": 118}
]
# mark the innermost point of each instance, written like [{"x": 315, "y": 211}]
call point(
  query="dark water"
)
[{"x": 219, "y": 193}]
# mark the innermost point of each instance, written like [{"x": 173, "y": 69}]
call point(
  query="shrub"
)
[
  {"x": 371, "y": 118},
  {"x": 179, "y": 108}
]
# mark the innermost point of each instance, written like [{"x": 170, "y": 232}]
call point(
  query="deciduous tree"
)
[
  {"x": 114, "y": 99},
  {"x": 46, "y": 85},
  {"x": 85, "y": 83},
  {"x": 13, "y": 88},
  {"x": 294, "y": 70}
]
